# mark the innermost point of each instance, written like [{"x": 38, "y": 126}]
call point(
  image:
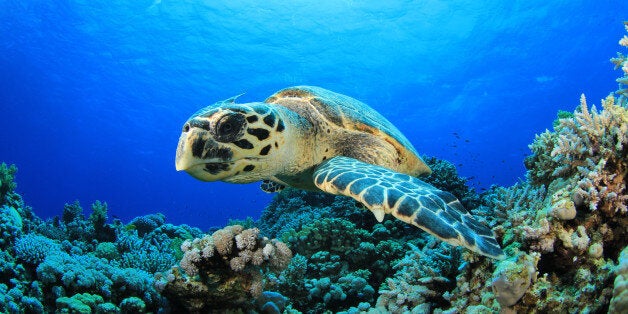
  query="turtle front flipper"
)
[
  {"x": 271, "y": 186},
  {"x": 409, "y": 199}
]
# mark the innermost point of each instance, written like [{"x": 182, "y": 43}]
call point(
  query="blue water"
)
[{"x": 94, "y": 93}]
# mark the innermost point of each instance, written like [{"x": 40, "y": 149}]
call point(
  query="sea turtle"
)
[{"x": 314, "y": 139}]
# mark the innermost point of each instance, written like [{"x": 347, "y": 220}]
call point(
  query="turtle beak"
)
[
  {"x": 197, "y": 147},
  {"x": 184, "y": 158},
  {"x": 191, "y": 144}
]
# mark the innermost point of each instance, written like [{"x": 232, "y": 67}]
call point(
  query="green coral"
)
[
  {"x": 562, "y": 115},
  {"x": 83, "y": 303},
  {"x": 132, "y": 305},
  {"x": 291, "y": 209},
  {"x": 98, "y": 221},
  {"x": 445, "y": 177},
  {"x": 619, "y": 302},
  {"x": 335, "y": 235},
  {"x": 7, "y": 181},
  {"x": 331, "y": 253},
  {"x": 107, "y": 250},
  {"x": 11, "y": 225}
]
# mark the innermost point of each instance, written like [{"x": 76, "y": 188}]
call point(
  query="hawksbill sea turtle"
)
[{"x": 314, "y": 139}]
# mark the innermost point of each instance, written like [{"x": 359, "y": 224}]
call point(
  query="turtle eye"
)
[{"x": 229, "y": 128}]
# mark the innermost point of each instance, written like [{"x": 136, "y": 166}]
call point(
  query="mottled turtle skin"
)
[{"x": 312, "y": 138}]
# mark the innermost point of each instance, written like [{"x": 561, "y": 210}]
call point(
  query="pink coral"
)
[
  {"x": 282, "y": 255},
  {"x": 223, "y": 238},
  {"x": 224, "y": 269},
  {"x": 247, "y": 239},
  {"x": 237, "y": 263}
]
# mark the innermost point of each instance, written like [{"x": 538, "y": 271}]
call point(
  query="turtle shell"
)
[{"x": 349, "y": 113}]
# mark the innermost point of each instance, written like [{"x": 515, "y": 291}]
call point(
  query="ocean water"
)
[{"x": 94, "y": 94}]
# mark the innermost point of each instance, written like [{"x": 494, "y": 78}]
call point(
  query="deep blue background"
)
[{"x": 93, "y": 93}]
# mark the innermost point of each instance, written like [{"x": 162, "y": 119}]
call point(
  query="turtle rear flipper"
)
[{"x": 409, "y": 199}]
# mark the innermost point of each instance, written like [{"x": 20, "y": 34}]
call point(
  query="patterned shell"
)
[{"x": 350, "y": 113}]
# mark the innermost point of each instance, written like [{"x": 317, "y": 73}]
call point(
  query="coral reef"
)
[
  {"x": 419, "y": 279},
  {"x": 338, "y": 265},
  {"x": 223, "y": 271},
  {"x": 568, "y": 222},
  {"x": 444, "y": 176},
  {"x": 564, "y": 229},
  {"x": 619, "y": 302},
  {"x": 587, "y": 156},
  {"x": 74, "y": 264},
  {"x": 7, "y": 181},
  {"x": 621, "y": 61}
]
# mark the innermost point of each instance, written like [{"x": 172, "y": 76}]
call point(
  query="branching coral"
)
[
  {"x": 571, "y": 214},
  {"x": 223, "y": 271},
  {"x": 7, "y": 182},
  {"x": 33, "y": 249},
  {"x": 621, "y": 61},
  {"x": 420, "y": 279},
  {"x": 563, "y": 228},
  {"x": 147, "y": 223},
  {"x": 291, "y": 209},
  {"x": 589, "y": 150},
  {"x": 11, "y": 225},
  {"x": 332, "y": 253}
]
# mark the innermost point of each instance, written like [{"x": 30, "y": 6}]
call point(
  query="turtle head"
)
[{"x": 231, "y": 142}]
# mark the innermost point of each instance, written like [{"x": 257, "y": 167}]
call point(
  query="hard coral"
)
[
  {"x": 7, "y": 182},
  {"x": 146, "y": 224},
  {"x": 335, "y": 235},
  {"x": 590, "y": 151},
  {"x": 512, "y": 278},
  {"x": 223, "y": 271},
  {"x": 444, "y": 176},
  {"x": 11, "y": 225},
  {"x": 619, "y": 302},
  {"x": 622, "y": 62},
  {"x": 421, "y": 277},
  {"x": 291, "y": 209},
  {"x": 571, "y": 213},
  {"x": 62, "y": 274},
  {"x": 33, "y": 249}
]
